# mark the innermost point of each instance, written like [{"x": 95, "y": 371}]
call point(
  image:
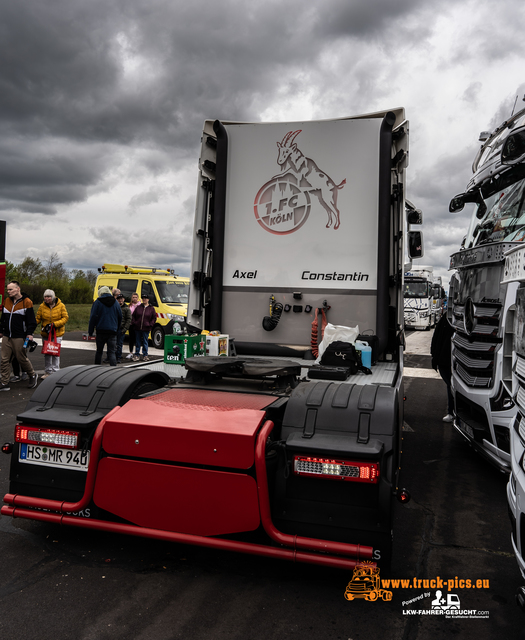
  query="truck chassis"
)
[{"x": 215, "y": 466}]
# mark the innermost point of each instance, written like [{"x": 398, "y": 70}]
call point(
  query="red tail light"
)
[
  {"x": 337, "y": 469},
  {"x": 403, "y": 495},
  {"x": 51, "y": 437}
]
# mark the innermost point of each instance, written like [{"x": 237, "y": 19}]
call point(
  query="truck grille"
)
[
  {"x": 472, "y": 346},
  {"x": 519, "y": 427},
  {"x": 520, "y": 369},
  {"x": 473, "y": 381},
  {"x": 474, "y": 343},
  {"x": 473, "y": 363},
  {"x": 520, "y": 396},
  {"x": 520, "y": 399}
]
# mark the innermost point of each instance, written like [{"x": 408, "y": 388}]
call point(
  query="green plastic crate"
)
[{"x": 178, "y": 348}]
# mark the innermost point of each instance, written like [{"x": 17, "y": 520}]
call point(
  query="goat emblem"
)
[{"x": 283, "y": 204}]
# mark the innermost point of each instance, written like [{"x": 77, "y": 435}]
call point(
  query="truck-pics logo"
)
[
  {"x": 365, "y": 583},
  {"x": 283, "y": 204}
]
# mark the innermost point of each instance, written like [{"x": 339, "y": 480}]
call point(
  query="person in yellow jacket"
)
[{"x": 52, "y": 313}]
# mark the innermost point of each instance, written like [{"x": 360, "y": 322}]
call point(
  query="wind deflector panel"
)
[
  {"x": 219, "y": 216},
  {"x": 301, "y": 207},
  {"x": 383, "y": 235}
]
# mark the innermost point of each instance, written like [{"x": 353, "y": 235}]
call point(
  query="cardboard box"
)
[
  {"x": 217, "y": 345},
  {"x": 178, "y": 348}
]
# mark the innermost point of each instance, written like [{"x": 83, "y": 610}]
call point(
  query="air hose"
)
[
  {"x": 316, "y": 338},
  {"x": 276, "y": 309}
]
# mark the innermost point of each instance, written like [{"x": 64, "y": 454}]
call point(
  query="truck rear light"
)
[
  {"x": 52, "y": 437},
  {"x": 403, "y": 495},
  {"x": 337, "y": 469}
]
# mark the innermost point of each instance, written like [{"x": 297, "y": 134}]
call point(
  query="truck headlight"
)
[{"x": 172, "y": 316}]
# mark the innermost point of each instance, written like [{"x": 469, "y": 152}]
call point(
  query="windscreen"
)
[
  {"x": 173, "y": 292},
  {"x": 416, "y": 289},
  {"x": 502, "y": 213}
]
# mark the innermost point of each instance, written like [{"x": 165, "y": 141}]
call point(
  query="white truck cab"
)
[{"x": 420, "y": 299}]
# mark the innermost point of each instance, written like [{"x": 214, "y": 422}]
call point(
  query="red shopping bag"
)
[{"x": 51, "y": 347}]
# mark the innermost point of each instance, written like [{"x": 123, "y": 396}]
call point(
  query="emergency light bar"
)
[
  {"x": 52, "y": 437},
  {"x": 337, "y": 469}
]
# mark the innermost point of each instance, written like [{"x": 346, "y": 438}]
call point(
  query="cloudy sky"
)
[{"x": 102, "y": 104}]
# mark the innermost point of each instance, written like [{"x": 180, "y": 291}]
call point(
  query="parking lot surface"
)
[{"x": 58, "y": 583}]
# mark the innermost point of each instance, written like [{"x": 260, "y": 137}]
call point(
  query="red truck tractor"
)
[{"x": 249, "y": 451}]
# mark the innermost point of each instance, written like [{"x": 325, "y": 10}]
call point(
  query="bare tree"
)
[{"x": 30, "y": 270}]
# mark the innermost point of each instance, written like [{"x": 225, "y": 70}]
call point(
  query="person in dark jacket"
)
[
  {"x": 441, "y": 351},
  {"x": 124, "y": 325},
  {"x": 143, "y": 321},
  {"x": 106, "y": 318},
  {"x": 17, "y": 324}
]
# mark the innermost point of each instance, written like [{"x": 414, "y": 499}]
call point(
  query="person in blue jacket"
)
[{"x": 106, "y": 317}]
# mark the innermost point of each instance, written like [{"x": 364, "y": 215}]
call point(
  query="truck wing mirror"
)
[
  {"x": 415, "y": 216},
  {"x": 456, "y": 204},
  {"x": 415, "y": 244}
]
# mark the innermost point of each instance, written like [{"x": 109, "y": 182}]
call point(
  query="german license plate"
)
[{"x": 54, "y": 457}]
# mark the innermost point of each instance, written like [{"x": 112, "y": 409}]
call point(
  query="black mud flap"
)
[{"x": 329, "y": 423}]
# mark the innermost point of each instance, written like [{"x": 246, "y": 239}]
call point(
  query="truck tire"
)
[
  {"x": 157, "y": 337},
  {"x": 372, "y": 596}
]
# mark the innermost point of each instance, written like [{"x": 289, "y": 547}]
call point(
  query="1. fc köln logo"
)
[{"x": 283, "y": 204}]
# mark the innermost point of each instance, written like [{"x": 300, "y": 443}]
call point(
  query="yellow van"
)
[{"x": 167, "y": 292}]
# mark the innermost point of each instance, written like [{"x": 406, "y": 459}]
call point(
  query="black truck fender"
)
[
  {"x": 81, "y": 396},
  {"x": 76, "y": 398}
]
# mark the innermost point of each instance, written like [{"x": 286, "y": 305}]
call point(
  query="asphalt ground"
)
[{"x": 58, "y": 583}]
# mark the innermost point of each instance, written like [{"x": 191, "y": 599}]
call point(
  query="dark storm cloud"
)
[
  {"x": 39, "y": 174},
  {"x": 125, "y": 74},
  {"x": 362, "y": 19},
  {"x": 147, "y": 73},
  {"x": 67, "y": 67},
  {"x": 101, "y": 94}
]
